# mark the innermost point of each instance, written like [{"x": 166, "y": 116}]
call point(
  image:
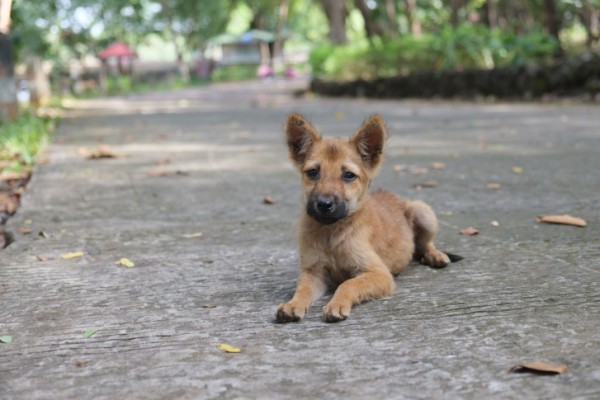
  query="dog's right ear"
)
[{"x": 301, "y": 136}]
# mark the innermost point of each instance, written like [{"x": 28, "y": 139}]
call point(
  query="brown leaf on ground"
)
[
  {"x": 13, "y": 176},
  {"x": 9, "y": 202},
  {"x": 24, "y": 230},
  {"x": 208, "y": 305},
  {"x": 157, "y": 174},
  {"x": 493, "y": 185},
  {"x": 562, "y": 220},
  {"x": 419, "y": 171},
  {"x": 470, "y": 231},
  {"x": 42, "y": 258},
  {"x": 101, "y": 152},
  {"x": 438, "y": 165},
  {"x": 426, "y": 184},
  {"x": 164, "y": 161},
  {"x": 3, "y": 239},
  {"x": 80, "y": 363},
  {"x": 269, "y": 200},
  {"x": 539, "y": 367}
]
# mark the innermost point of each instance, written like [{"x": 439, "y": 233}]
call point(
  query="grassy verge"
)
[{"x": 21, "y": 140}]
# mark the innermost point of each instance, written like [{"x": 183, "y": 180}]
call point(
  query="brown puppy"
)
[{"x": 349, "y": 237}]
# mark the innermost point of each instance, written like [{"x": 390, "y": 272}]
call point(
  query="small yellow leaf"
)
[
  {"x": 191, "y": 235},
  {"x": 339, "y": 115},
  {"x": 125, "y": 262},
  {"x": 517, "y": 170},
  {"x": 228, "y": 348},
  {"x": 74, "y": 254}
]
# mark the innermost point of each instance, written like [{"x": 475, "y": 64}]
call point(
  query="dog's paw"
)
[
  {"x": 336, "y": 312},
  {"x": 436, "y": 259},
  {"x": 288, "y": 312}
]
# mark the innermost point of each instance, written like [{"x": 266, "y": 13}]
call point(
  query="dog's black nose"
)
[{"x": 325, "y": 204}]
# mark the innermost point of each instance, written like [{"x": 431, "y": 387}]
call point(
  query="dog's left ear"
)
[{"x": 369, "y": 140}]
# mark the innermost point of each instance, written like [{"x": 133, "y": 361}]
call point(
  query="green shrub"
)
[
  {"x": 22, "y": 139},
  {"x": 234, "y": 73},
  {"x": 467, "y": 46}
]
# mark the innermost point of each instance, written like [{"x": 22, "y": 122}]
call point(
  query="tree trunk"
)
[
  {"x": 181, "y": 65},
  {"x": 336, "y": 13},
  {"x": 8, "y": 94},
  {"x": 282, "y": 16},
  {"x": 5, "y": 7},
  {"x": 455, "y": 6},
  {"x": 589, "y": 19},
  {"x": 391, "y": 15},
  {"x": 490, "y": 14},
  {"x": 413, "y": 19},
  {"x": 372, "y": 27},
  {"x": 553, "y": 23}
]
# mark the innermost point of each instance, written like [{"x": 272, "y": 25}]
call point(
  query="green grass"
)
[{"x": 22, "y": 139}]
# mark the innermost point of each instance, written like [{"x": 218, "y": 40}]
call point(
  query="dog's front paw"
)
[
  {"x": 288, "y": 312},
  {"x": 436, "y": 259},
  {"x": 336, "y": 312}
]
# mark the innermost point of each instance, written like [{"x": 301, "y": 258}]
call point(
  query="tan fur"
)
[{"x": 378, "y": 235}]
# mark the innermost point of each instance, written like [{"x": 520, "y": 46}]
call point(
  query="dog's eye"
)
[
  {"x": 349, "y": 176},
  {"x": 312, "y": 173}
]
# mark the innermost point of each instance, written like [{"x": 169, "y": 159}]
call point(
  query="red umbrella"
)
[{"x": 116, "y": 49}]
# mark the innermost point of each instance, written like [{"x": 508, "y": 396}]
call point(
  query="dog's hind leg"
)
[{"x": 425, "y": 227}]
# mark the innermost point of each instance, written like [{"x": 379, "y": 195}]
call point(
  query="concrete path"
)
[{"x": 202, "y": 160}]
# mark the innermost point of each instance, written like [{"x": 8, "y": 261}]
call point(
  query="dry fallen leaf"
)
[
  {"x": 191, "y": 235},
  {"x": 470, "y": 231},
  {"x": 164, "y": 161},
  {"x": 419, "y": 171},
  {"x": 102, "y": 151},
  {"x": 493, "y": 185},
  {"x": 80, "y": 363},
  {"x": 426, "y": 184},
  {"x": 228, "y": 348},
  {"x": 24, "y": 230},
  {"x": 74, "y": 254},
  {"x": 494, "y": 223},
  {"x": 9, "y": 202},
  {"x": 125, "y": 262},
  {"x": 438, "y": 165},
  {"x": 208, "y": 305},
  {"x": 42, "y": 258},
  {"x": 399, "y": 167},
  {"x": 157, "y": 173},
  {"x": 269, "y": 200},
  {"x": 540, "y": 367},
  {"x": 517, "y": 170},
  {"x": 339, "y": 115},
  {"x": 562, "y": 220}
]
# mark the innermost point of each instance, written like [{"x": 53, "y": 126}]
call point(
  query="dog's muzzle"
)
[{"x": 326, "y": 209}]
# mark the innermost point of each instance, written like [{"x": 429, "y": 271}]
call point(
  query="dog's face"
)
[{"x": 335, "y": 173}]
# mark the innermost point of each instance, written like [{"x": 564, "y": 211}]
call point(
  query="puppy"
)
[{"x": 348, "y": 237}]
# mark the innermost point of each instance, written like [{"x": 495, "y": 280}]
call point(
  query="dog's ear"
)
[
  {"x": 301, "y": 136},
  {"x": 369, "y": 140}
]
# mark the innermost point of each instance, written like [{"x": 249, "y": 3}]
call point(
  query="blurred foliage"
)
[
  {"x": 454, "y": 34},
  {"x": 467, "y": 46},
  {"x": 22, "y": 139}
]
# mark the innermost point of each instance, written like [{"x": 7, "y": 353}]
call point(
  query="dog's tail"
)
[{"x": 454, "y": 257}]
